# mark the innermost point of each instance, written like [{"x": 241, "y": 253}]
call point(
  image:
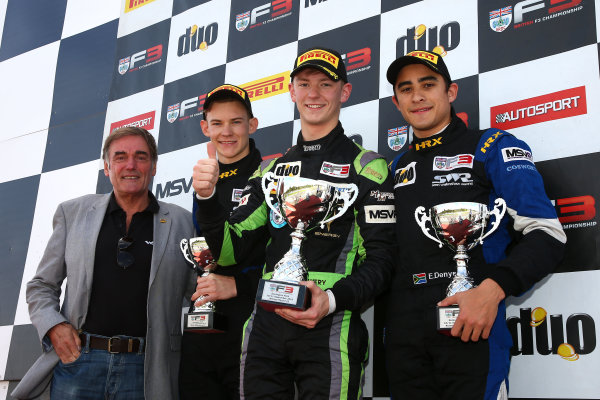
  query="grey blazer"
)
[{"x": 70, "y": 254}]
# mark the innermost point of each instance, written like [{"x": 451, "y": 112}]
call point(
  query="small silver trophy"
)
[
  {"x": 304, "y": 204},
  {"x": 202, "y": 319},
  {"x": 460, "y": 226}
]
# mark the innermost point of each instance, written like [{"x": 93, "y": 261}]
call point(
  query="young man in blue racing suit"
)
[
  {"x": 323, "y": 349},
  {"x": 447, "y": 162}
]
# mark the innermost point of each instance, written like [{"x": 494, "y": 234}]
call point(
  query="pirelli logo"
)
[
  {"x": 229, "y": 87},
  {"x": 425, "y": 56},
  {"x": 131, "y": 5},
  {"x": 267, "y": 87},
  {"x": 319, "y": 55}
]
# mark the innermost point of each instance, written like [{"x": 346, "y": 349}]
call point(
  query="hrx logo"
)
[
  {"x": 264, "y": 14},
  {"x": 196, "y": 38},
  {"x": 141, "y": 59},
  {"x": 580, "y": 334},
  {"x": 434, "y": 39}
]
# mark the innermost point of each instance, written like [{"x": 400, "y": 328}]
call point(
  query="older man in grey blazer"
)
[{"x": 117, "y": 334}]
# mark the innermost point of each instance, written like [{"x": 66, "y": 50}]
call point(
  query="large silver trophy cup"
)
[
  {"x": 460, "y": 226},
  {"x": 205, "y": 318},
  {"x": 304, "y": 204}
]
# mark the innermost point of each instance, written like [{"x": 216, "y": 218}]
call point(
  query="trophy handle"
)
[
  {"x": 269, "y": 176},
  {"x": 498, "y": 211},
  {"x": 185, "y": 250},
  {"x": 346, "y": 203},
  {"x": 421, "y": 221}
]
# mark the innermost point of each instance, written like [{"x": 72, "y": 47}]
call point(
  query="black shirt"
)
[{"x": 118, "y": 303}]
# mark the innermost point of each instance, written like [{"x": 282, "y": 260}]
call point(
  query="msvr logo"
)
[{"x": 173, "y": 188}]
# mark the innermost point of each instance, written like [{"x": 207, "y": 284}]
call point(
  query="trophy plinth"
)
[
  {"x": 204, "y": 318},
  {"x": 460, "y": 226},
  {"x": 283, "y": 290},
  {"x": 304, "y": 204}
]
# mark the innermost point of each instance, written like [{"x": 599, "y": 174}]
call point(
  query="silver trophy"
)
[
  {"x": 202, "y": 319},
  {"x": 304, "y": 204},
  {"x": 460, "y": 226}
]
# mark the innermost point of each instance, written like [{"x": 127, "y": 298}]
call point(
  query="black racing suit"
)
[
  {"x": 455, "y": 165},
  {"x": 210, "y": 362},
  {"x": 352, "y": 256}
]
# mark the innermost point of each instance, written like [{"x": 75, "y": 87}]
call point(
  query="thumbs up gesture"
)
[{"x": 206, "y": 173}]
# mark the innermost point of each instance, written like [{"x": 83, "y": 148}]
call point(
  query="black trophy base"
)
[
  {"x": 205, "y": 322},
  {"x": 446, "y": 317},
  {"x": 277, "y": 294}
]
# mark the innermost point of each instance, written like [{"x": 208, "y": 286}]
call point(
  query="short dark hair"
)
[{"x": 131, "y": 131}]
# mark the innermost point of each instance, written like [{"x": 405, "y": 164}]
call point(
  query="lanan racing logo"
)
[
  {"x": 531, "y": 12},
  {"x": 141, "y": 59},
  {"x": 188, "y": 108},
  {"x": 564, "y": 104},
  {"x": 263, "y": 15}
]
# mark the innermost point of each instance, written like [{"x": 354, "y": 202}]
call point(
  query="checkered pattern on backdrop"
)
[{"x": 73, "y": 70}]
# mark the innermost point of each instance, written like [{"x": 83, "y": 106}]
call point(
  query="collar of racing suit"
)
[
  {"x": 449, "y": 134},
  {"x": 321, "y": 145}
]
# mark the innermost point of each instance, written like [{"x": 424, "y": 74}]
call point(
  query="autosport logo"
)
[
  {"x": 563, "y": 104},
  {"x": 550, "y": 334},
  {"x": 530, "y": 12},
  {"x": 197, "y": 38},
  {"x": 435, "y": 39},
  {"x": 131, "y": 5},
  {"x": 357, "y": 60},
  {"x": 268, "y": 86},
  {"x": 186, "y": 109},
  {"x": 262, "y": 15},
  {"x": 145, "y": 121},
  {"x": 576, "y": 212},
  {"x": 141, "y": 59}
]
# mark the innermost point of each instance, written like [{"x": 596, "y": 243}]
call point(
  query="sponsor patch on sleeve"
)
[
  {"x": 405, "y": 175},
  {"x": 383, "y": 214},
  {"x": 236, "y": 195},
  {"x": 516, "y": 154},
  {"x": 244, "y": 200}
]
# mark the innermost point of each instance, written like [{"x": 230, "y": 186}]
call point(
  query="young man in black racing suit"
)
[
  {"x": 447, "y": 162},
  {"x": 322, "y": 350},
  {"x": 210, "y": 362}
]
